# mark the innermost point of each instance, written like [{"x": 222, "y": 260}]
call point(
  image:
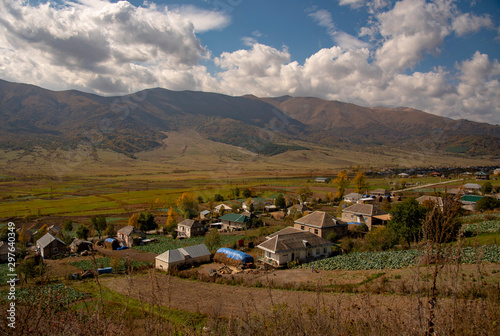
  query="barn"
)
[{"x": 185, "y": 256}]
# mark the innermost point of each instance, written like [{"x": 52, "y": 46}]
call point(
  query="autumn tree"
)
[
  {"x": 342, "y": 182},
  {"x": 171, "y": 220},
  {"x": 133, "y": 221},
  {"x": 360, "y": 182},
  {"x": 41, "y": 232},
  {"x": 249, "y": 204},
  {"x": 82, "y": 232},
  {"x": 23, "y": 236},
  {"x": 187, "y": 205},
  {"x": 304, "y": 193}
]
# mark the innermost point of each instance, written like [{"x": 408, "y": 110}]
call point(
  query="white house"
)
[
  {"x": 292, "y": 244},
  {"x": 352, "y": 197}
]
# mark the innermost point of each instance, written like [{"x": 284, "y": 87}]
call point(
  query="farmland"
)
[
  {"x": 399, "y": 259},
  {"x": 166, "y": 243},
  {"x": 119, "y": 265}
]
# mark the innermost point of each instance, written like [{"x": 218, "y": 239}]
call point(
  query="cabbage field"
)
[
  {"x": 166, "y": 243},
  {"x": 398, "y": 259},
  {"x": 489, "y": 226},
  {"x": 58, "y": 294}
]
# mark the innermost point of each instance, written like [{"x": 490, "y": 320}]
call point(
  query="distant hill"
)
[{"x": 31, "y": 116}]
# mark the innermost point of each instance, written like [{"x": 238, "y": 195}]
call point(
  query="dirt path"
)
[{"x": 429, "y": 185}]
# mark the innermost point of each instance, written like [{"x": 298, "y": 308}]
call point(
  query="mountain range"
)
[{"x": 31, "y": 117}]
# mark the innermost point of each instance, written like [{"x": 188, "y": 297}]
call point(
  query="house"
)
[
  {"x": 130, "y": 235},
  {"x": 49, "y": 246},
  {"x": 205, "y": 214},
  {"x": 438, "y": 201},
  {"x": 80, "y": 245},
  {"x": 403, "y": 175},
  {"x": 54, "y": 230},
  {"x": 189, "y": 228},
  {"x": 234, "y": 222},
  {"x": 4, "y": 252},
  {"x": 471, "y": 188},
  {"x": 321, "y": 224},
  {"x": 496, "y": 171},
  {"x": 352, "y": 197},
  {"x": 222, "y": 206},
  {"x": 184, "y": 256},
  {"x": 482, "y": 176},
  {"x": 379, "y": 192},
  {"x": 364, "y": 214},
  {"x": 297, "y": 208},
  {"x": 292, "y": 244},
  {"x": 322, "y": 180},
  {"x": 245, "y": 206}
]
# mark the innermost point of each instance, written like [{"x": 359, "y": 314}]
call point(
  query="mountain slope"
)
[{"x": 31, "y": 116}]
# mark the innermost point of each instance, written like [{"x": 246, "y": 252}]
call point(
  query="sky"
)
[{"x": 439, "y": 56}]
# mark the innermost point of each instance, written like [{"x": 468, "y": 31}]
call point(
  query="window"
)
[
  {"x": 302, "y": 227},
  {"x": 54, "y": 250},
  {"x": 352, "y": 216},
  {"x": 324, "y": 250},
  {"x": 315, "y": 231}
]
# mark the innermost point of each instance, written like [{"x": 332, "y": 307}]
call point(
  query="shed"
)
[
  {"x": 79, "y": 245},
  {"x": 49, "y": 246},
  {"x": 111, "y": 244},
  {"x": 189, "y": 255}
]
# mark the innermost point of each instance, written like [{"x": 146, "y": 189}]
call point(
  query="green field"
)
[{"x": 166, "y": 243}]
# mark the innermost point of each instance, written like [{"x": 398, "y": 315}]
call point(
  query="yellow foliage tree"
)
[
  {"x": 360, "y": 182},
  {"x": 171, "y": 219},
  {"x": 188, "y": 205},
  {"x": 342, "y": 181},
  {"x": 134, "y": 220}
]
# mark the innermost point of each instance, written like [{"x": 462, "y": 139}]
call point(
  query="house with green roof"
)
[{"x": 234, "y": 222}]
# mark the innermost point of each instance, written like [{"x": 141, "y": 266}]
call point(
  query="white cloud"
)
[
  {"x": 129, "y": 47},
  {"x": 324, "y": 19},
  {"x": 468, "y": 23}
]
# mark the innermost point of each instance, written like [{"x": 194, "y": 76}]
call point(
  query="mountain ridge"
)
[{"x": 33, "y": 116}]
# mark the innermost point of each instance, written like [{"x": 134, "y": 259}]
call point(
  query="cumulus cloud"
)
[
  {"x": 68, "y": 44},
  {"x": 468, "y": 23}
]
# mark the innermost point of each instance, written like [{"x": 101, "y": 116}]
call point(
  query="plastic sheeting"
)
[{"x": 236, "y": 255}]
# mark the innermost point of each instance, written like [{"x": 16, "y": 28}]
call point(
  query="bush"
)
[
  {"x": 381, "y": 238},
  {"x": 487, "y": 203}
]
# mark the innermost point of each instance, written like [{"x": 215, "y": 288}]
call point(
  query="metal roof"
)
[
  {"x": 180, "y": 254},
  {"x": 47, "y": 239}
]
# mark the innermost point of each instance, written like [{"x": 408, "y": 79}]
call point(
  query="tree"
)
[
  {"x": 171, "y": 220},
  {"x": 110, "y": 230},
  {"x": 329, "y": 197},
  {"x": 360, "y": 182},
  {"x": 487, "y": 188},
  {"x": 82, "y": 232},
  {"x": 406, "y": 221},
  {"x": 402, "y": 183},
  {"x": 342, "y": 181},
  {"x": 236, "y": 192},
  {"x": 187, "y": 205},
  {"x": 304, "y": 193},
  {"x": 386, "y": 205},
  {"x": 146, "y": 221},
  {"x": 133, "y": 221},
  {"x": 213, "y": 239},
  {"x": 68, "y": 225},
  {"x": 381, "y": 238},
  {"x": 332, "y": 236},
  {"x": 280, "y": 202},
  {"x": 200, "y": 200},
  {"x": 487, "y": 203},
  {"x": 249, "y": 204},
  {"x": 218, "y": 198},
  {"x": 247, "y": 192},
  {"x": 23, "y": 236},
  {"x": 99, "y": 224}
]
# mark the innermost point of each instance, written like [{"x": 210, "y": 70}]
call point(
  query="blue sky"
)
[{"x": 440, "y": 56}]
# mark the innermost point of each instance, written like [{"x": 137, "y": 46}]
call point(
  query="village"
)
[{"x": 264, "y": 233}]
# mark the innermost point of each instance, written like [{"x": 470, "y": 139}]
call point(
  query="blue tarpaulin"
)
[{"x": 236, "y": 255}]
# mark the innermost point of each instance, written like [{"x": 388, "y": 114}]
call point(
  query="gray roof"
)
[
  {"x": 364, "y": 209},
  {"x": 472, "y": 186},
  {"x": 47, "y": 239},
  {"x": 180, "y": 254},
  {"x": 319, "y": 219},
  {"x": 190, "y": 223},
  {"x": 205, "y": 212},
  {"x": 354, "y": 196},
  {"x": 290, "y": 239},
  {"x": 437, "y": 200},
  {"x": 129, "y": 230}
]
